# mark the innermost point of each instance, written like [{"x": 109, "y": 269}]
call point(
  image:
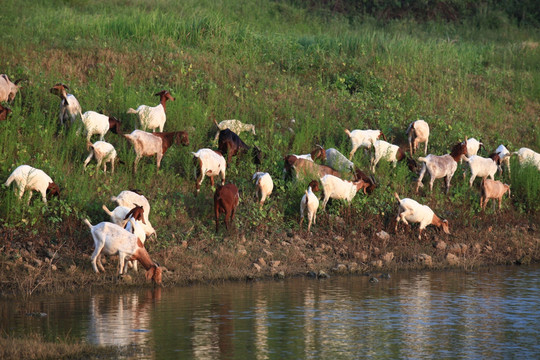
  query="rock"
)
[
  {"x": 127, "y": 279},
  {"x": 312, "y": 274},
  {"x": 376, "y": 251},
  {"x": 184, "y": 244},
  {"x": 377, "y": 263},
  {"x": 242, "y": 252},
  {"x": 362, "y": 256},
  {"x": 322, "y": 275},
  {"x": 425, "y": 259},
  {"x": 388, "y": 257},
  {"x": 352, "y": 267},
  {"x": 266, "y": 242},
  {"x": 488, "y": 248},
  {"x": 73, "y": 268},
  {"x": 383, "y": 235},
  {"x": 310, "y": 261},
  {"x": 464, "y": 248},
  {"x": 452, "y": 259},
  {"x": 477, "y": 248},
  {"x": 339, "y": 238},
  {"x": 340, "y": 269},
  {"x": 53, "y": 267},
  {"x": 280, "y": 275},
  {"x": 373, "y": 280},
  {"x": 275, "y": 263},
  {"x": 261, "y": 262},
  {"x": 440, "y": 245},
  {"x": 257, "y": 267},
  {"x": 385, "y": 276},
  {"x": 268, "y": 253},
  {"x": 455, "y": 248}
]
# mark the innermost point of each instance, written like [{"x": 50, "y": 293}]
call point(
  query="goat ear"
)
[{"x": 150, "y": 273}]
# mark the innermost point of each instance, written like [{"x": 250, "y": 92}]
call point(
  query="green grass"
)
[{"x": 263, "y": 63}]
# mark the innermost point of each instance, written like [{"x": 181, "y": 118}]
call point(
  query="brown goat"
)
[
  {"x": 4, "y": 112},
  {"x": 492, "y": 189},
  {"x": 369, "y": 181},
  {"x": 226, "y": 200},
  {"x": 306, "y": 168}
]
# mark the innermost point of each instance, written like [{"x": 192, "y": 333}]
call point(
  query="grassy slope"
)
[{"x": 264, "y": 63}]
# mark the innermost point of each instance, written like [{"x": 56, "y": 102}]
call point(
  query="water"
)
[{"x": 486, "y": 314}]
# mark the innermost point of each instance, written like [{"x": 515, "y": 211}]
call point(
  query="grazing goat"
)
[
  {"x": 153, "y": 117},
  {"x": 99, "y": 124},
  {"x": 235, "y": 126},
  {"x": 8, "y": 89},
  {"x": 317, "y": 153},
  {"x": 69, "y": 105},
  {"x": 128, "y": 200},
  {"x": 338, "y": 161},
  {"x": 264, "y": 185},
  {"x": 492, "y": 189},
  {"x": 440, "y": 166},
  {"x": 387, "y": 151},
  {"x": 209, "y": 163},
  {"x": 504, "y": 157},
  {"x": 226, "y": 200},
  {"x": 411, "y": 211},
  {"x": 526, "y": 155},
  {"x": 370, "y": 180},
  {"x": 229, "y": 143},
  {"x": 103, "y": 152},
  {"x": 111, "y": 239},
  {"x": 335, "y": 188},
  {"x": 310, "y": 202},
  {"x": 482, "y": 167},
  {"x": 306, "y": 168},
  {"x": 27, "y": 177},
  {"x": 157, "y": 143},
  {"x": 4, "y": 112},
  {"x": 363, "y": 138},
  {"x": 418, "y": 132}
]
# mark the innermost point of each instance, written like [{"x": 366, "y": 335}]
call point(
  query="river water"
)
[{"x": 486, "y": 314}]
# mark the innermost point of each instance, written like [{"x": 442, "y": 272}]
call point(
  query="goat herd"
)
[{"x": 130, "y": 226}]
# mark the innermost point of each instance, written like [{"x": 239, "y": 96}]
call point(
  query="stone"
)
[
  {"x": 257, "y": 267},
  {"x": 452, "y": 259},
  {"x": 275, "y": 263},
  {"x": 361, "y": 255},
  {"x": 425, "y": 259},
  {"x": 242, "y": 252},
  {"x": 388, "y": 257},
  {"x": 383, "y": 235},
  {"x": 310, "y": 261},
  {"x": 455, "y": 248},
  {"x": 440, "y": 245},
  {"x": 340, "y": 269},
  {"x": 464, "y": 248},
  {"x": 339, "y": 238},
  {"x": 73, "y": 268},
  {"x": 352, "y": 267},
  {"x": 261, "y": 262},
  {"x": 312, "y": 274},
  {"x": 53, "y": 267},
  {"x": 280, "y": 275},
  {"x": 127, "y": 279},
  {"x": 268, "y": 253},
  {"x": 184, "y": 244},
  {"x": 322, "y": 275},
  {"x": 373, "y": 280},
  {"x": 377, "y": 263}
]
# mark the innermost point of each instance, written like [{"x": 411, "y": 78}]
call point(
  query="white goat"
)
[
  {"x": 121, "y": 215},
  {"x": 27, "y": 177},
  {"x": 338, "y": 161},
  {"x": 111, "y": 239},
  {"x": 411, "y": 211},
  {"x": 440, "y": 166},
  {"x": 103, "y": 152},
  {"x": 264, "y": 184},
  {"x": 482, "y": 167},
  {"x": 504, "y": 157},
  {"x": 418, "y": 132},
  {"x": 8, "y": 89},
  {"x": 387, "y": 151},
  {"x": 310, "y": 202},
  {"x": 363, "y": 138},
  {"x": 210, "y": 163},
  {"x": 526, "y": 155},
  {"x": 130, "y": 199},
  {"x": 70, "y": 108},
  {"x": 335, "y": 188},
  {"x": 236, "y": 126},
  {"x": 492, "y": 189},
  {"x": 98, "y": 124},
  {"x": 473, "y": 146},
  {"x": 153, "y": 117}
]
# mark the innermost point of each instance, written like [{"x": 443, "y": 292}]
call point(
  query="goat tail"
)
[
  {"x": 422, "y": 159},
  {"x": 109, "y": 212},
  {"x": 10, "y": 179},
  {"x": 89, "y": 146},
  {"x": 397, "y": 197},
  {"x": 307, "y": 197},
  {"x": 88, "y": 223},
  {"x": 131, "y": 111}
]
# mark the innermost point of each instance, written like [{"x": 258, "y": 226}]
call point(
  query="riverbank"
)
[{"x": 33, "y": 264}]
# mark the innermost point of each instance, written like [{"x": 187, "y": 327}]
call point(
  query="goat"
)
[
  {"x": 235, "y": 126},
  {"x": 99, "y": 124},
  {"x": 492, "y": 189},
  {"x": 4, "y": 112},
  {"x": 264, "y": 184},
  {"x": 335, "y": 188},
  {"x": 230, "y": 143},
  {"x": 526, "y": 155},
  {"x": 310, "y": 202},
  {"x": 370, "y": 180},
  {"x": 338, "y": 161},
  {"x": 157, "y": 143},
  {"x": 8, "y": 89},
  {"x": 226, "y": 200},
  {"x": 482, "y": 167},
  {"x": 111, "y": 239},
  {"x": 418, "y": 132},
  {"x": 153, "y": 117},
  {"x": 473, "y": 146},
  {"x": 209, "y": 163},
  {"x": 316, "y": 153},
  {"x": 103, "y": 152},
  {"x": 504, "y": 157},
  {"x": 363, "y": 138},
  {"x": 411, "y": 211},
  {"x": 69, "y": 105},
  {"x": 305, "y": 168},
  {"x": 440, "y": 166},
  {"x": 387, "y": 151},
  {"x": 127, "y": 200},
  {"x": 27, "y": 177}
]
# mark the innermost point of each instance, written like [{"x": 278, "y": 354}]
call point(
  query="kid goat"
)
[
  {"x": 264, "y": 185},
  {"x": 226, "y": 200},
  {"x": 482, "y": 167},
  {"x": 492, "y": 189},
  {"x": 153, "y": 117},
  {"x": 310, "y": 202},
  {"x": 27, "y": 177},
  {"x": 411, "y": 211},
  {"x": 335, "y": 188},
  {"x": 69, "y": 105},
  {"x": 209, "y": 163},
  {"x": 103, "y": 152},
  {"x": 418, "y": 132}
]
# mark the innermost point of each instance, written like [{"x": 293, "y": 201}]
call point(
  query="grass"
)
[{"x": 264, "y": 63}]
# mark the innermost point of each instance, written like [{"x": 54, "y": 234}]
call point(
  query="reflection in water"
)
[{"x": 450, "y": 315}]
